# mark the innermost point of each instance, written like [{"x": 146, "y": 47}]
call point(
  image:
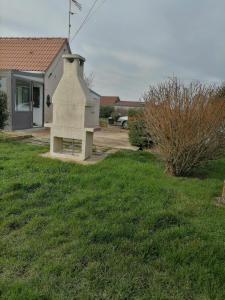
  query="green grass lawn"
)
[{"x": 121, "y": 229}]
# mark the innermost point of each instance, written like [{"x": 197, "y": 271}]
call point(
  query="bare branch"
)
[
  {"x": 186, "y": 122},
  {"x": 89, "y": 80}
]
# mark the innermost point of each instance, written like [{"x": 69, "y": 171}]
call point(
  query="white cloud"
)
[{"x": 128, "y": 46}]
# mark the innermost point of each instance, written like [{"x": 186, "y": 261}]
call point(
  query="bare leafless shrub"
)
[
  {"x": 186, "y": 122},
  {"x": 89, "y": 79}
]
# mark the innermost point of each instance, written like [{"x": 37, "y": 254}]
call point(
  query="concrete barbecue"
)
[{"x": 75, "y": 113}]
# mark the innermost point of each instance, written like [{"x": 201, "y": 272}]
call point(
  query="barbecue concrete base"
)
[
  {"x": 94, "y": 159},
  {"x": 220, "y": 202}
]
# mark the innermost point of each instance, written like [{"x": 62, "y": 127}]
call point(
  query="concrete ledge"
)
[
  {"x": 220, "y": 202},
  {"x": 74, "y": 56},
  {"x": 94, "y": 159},
  {"x": 48, "y": 125},
  {"x": 93, "y": 129}
]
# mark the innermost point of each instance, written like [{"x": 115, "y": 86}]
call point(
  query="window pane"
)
[
  {"x": 36, "y": 97},
  {"x": 3, "y": 84},
  {"x": 23, "y": 102}
]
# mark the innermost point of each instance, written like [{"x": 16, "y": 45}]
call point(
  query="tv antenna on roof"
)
[{"x": 71, "y": 13}]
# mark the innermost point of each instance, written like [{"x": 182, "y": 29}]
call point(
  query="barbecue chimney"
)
[{"x": 75, "y": 112}]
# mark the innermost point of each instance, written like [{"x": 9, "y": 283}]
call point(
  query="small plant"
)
[
  {"x": 138, "y": 135},
  {"x": 135, "y": 112},
  {"x": 3, "y": 110},
  {"x": 103, "y": 123},
  {"x": 187, "y": 123},
  {"x": 115, "y": 116},
  {"x": 106, "y": 111}
]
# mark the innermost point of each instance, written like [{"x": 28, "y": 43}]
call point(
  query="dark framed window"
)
[
  {"x": 23, "y": 96},
  {"x": 3, "y": 84}
]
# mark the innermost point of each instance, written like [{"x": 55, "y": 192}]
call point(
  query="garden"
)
[{"x": 138, "y": 225}]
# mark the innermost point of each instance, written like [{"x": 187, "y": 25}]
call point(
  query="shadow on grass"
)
[
  {"x": 166, "y": 221},
  {"x": 137, "y": 156},
  {"x": 214, "y": 169}
]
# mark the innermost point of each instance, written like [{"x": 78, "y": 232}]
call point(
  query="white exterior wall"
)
[
  {"x": 124, "y": 110},
  {"x": 52, "y": 78}
]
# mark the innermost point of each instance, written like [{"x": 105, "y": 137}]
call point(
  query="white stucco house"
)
[{"x": 30, "y": 70}]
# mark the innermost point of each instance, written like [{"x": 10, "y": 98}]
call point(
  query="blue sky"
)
[{"x": 131, "y": 44}]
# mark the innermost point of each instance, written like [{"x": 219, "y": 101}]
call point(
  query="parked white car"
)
[{"x": 123, "y": 122}]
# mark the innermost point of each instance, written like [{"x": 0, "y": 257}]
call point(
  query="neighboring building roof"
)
[
  {"x": 109, "y": 100},
  {"x": 115, "y": 101},
  {"x": 29, "y": 54},
  {"x": 130, "y": 103}
]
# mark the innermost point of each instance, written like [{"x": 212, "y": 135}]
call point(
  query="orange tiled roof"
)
[{"x": 29, "y": 54}]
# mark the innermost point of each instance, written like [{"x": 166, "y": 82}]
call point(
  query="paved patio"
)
[{"x": 112, "y": 137}]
